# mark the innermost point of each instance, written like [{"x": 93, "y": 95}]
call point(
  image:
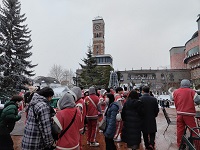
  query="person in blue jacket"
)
[{"x": 111, "y": 112}]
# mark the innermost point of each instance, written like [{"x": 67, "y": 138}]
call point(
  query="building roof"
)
[
  {"x": 103, "y": 55},
  {"x": 98, "y": 18},
  {"x": 193, "y": 36},
  {"x": 47, "y": 80},
  {"x": 177, "y": 47}
]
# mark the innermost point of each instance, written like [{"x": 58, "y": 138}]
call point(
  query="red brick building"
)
[
  {"x": 188, "y": 56},
  {"x": 177, "y": 55}
]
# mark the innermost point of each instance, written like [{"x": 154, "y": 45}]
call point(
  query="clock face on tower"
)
[{"x": 97, "y": 27}]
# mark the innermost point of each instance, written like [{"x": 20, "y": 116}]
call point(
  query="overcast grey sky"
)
[{"x": 138, "y": 33}]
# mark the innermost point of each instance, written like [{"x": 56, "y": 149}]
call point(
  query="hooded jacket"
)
[
  {"x": 37, "y": 132},
  {"x": 184, "y": 99},
  {"x": 93, "y": 106},
  {"x": 63, "y": 117},
  {"x": 8, "y": 117},
  {"x": 119, "y": 100},
  {"x": 102, "y": 99},
  {"x": 80, "y": 104}
]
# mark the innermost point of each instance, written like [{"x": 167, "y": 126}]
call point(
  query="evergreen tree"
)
[
  {"x": 15, "y": 40},
  {"x": 92, "y": 74},
  {"x": 88, "y": 73},
  {"x": 104, "y": 76}
]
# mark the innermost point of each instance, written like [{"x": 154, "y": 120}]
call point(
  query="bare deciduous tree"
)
[
  {"x": 64, "y": 76},
  {"x": 56, "y": 72},
  {"x": 67, "y": 76}
]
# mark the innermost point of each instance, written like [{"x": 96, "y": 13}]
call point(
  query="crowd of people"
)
[{"x": 129, "y": 116}]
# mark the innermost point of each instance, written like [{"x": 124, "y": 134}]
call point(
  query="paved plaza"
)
[{"x": 167, "y": 142}]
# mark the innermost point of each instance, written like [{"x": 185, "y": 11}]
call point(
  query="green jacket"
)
[{"x": 8, "y": 117}]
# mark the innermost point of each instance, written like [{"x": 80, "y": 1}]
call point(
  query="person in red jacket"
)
[
  {"x": 120, "y": 100},
  {"x": 102, "y": 98},
  {"x": 93, "y": 107},
  {"x": 184, "y": 99},
  {"x": 81, "y": 105},
  {"x": 67, "y": 110}
]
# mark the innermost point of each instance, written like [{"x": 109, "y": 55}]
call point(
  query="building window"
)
[
  {"x": 121, "y": 78},
  {"x": 97, "y": 59},
  {"x": 171, "y": 77},
  {"x": 162, "y": 76},
  {"x": 129, "y": 77},
  {"x": 193, "y": 51},
  {"x": 101, "y": 60},
  {"x": 153, "y": 76}
]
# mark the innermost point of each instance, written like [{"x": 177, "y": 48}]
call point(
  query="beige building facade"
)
[{"x": 158, "y": 80}]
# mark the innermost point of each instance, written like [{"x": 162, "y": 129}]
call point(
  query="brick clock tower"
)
[
  {"x": 99, "y": 43},
  {"x": 98, "y": 36}
]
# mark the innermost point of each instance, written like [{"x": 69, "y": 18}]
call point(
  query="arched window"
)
[
  {"x": 162, "y": 76},
  {"x": 171, "y": 77}
]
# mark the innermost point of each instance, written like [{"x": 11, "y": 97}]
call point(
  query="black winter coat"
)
[
  {"x": 111, "y": 120},
  {"x": 132, "y": 122},
  {"x": 151, "y": 110}
]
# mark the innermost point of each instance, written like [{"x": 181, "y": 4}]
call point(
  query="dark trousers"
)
[
  {"x": 149, "y": 139},
  {"x": 6, "y": 142},
  {"x": 110, "y": 144}
]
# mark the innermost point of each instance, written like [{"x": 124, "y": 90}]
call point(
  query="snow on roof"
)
[{"x": 98, "y": 17}]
